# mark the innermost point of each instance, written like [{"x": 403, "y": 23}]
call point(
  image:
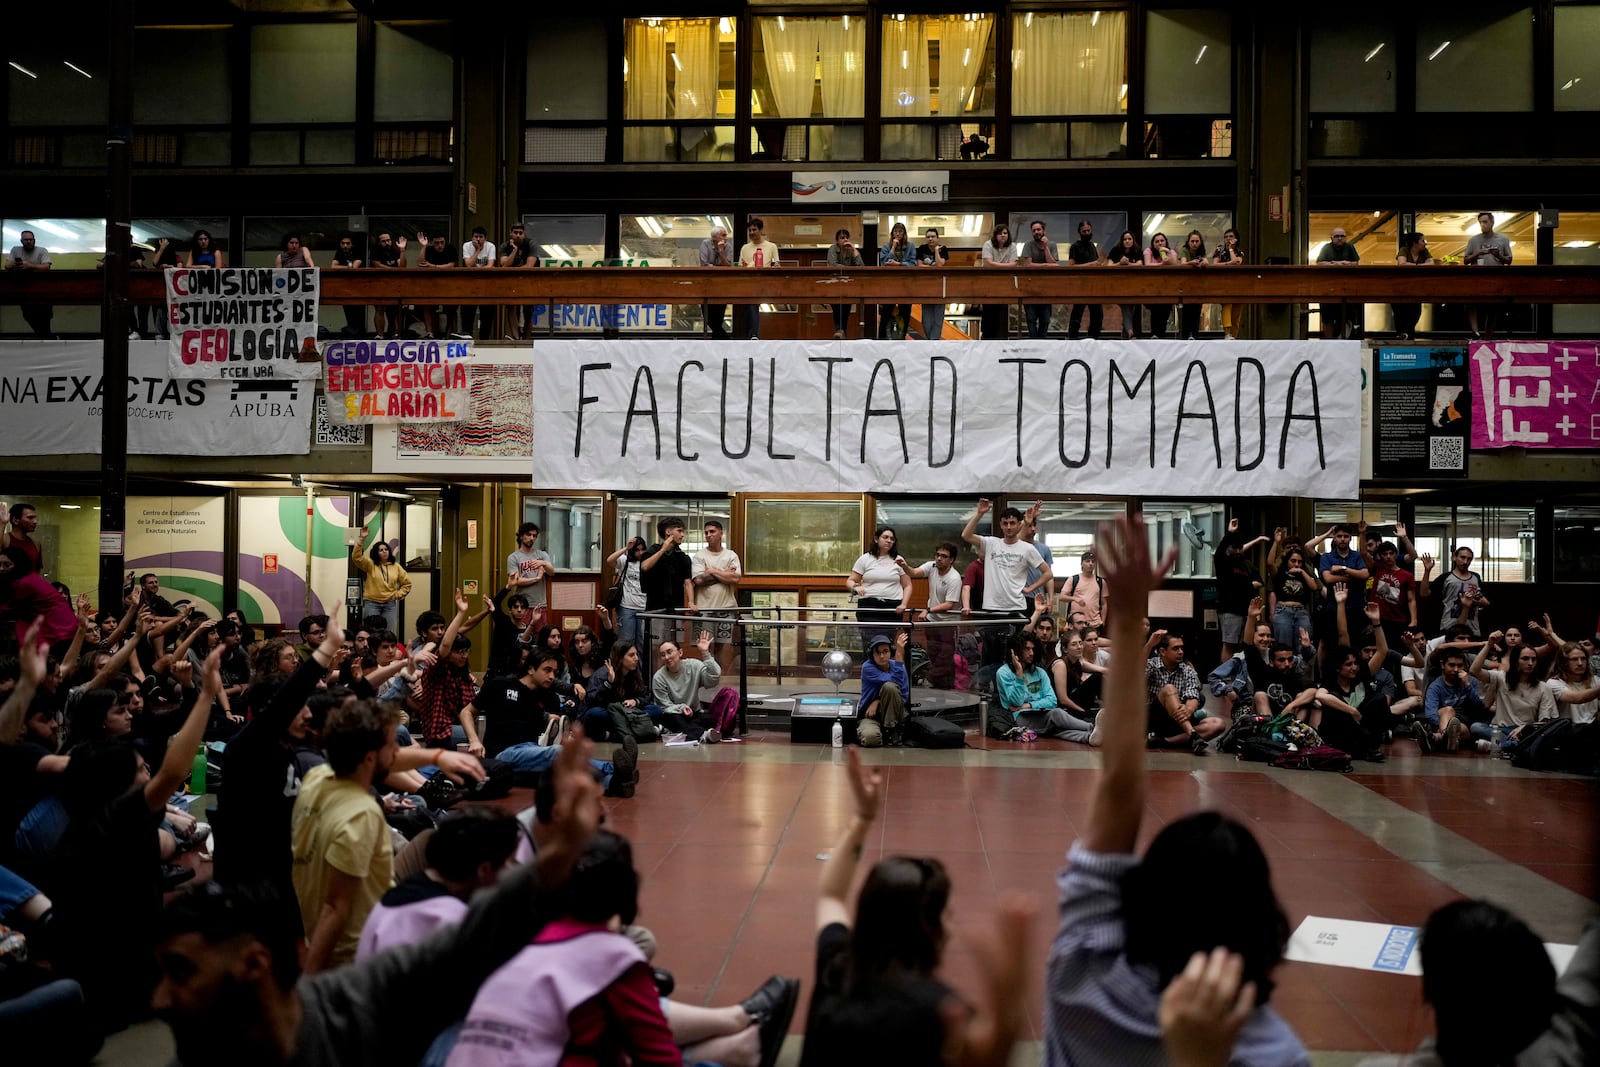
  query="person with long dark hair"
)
[
  {"x": 385, "y": 581},
  {"x": 1126, "y": 253},
  {"x": 1124, "y": 936},
  {"x": 895, "y": 319},
  {"x": 877, "y": 999},
  {"x": 880, "y": 580},
  {"x": 1518, "y": 694},
  {"x": 1192, "y": 254},
  {"x": 1413, "y": 253},
  {"x": 1159, "y": 255},
  {"x": 202, "y": 253},
  {"x": 998, "y": 251}
]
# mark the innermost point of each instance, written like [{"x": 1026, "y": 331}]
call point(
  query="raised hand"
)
[
  {"x": 1257, "y": 605},
  {"x": 1399, "y": 529},
  {"x": 488, "y": 606},
  {"x": 1341, "y": 592},
  {"x": 461, "y": 602},
  {"x": 335, "y": 632},
  {"x": 703, "y": 643},
  {"x": 1233, "y": 525},
  {"x": 864, "y": 785},
  {"x": 1374, "y": 616},
  {"x": 576, "y": 813},
  {"x": 1497, "y": 638},
  {"x": 984, "y": 504},
  {"x": 1203, "y": 1008},
  {"x": 1427, "y": 563},
  {"x": 33, "y": 655}
]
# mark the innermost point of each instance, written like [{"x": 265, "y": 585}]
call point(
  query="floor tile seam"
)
[
  {"x": 749, "y": 907},
  {"x": 1469, "y": 855}
]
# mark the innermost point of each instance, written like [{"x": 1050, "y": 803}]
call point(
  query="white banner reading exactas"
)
[
  {"x": 53, "y": 392},
  {"x": 243, "y": 322},
  {"x": 1223, "y": 418}
]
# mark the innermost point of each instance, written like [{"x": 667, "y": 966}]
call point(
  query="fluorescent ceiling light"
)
[
  {"x": 1316, "y": 250},
  {"x": 1201, "y": 54},
  {"x": 1570, "y": 84},
  {"x": 59, "y": 231},
  {"x": 1375, "y": 50},
  {"x": 724, "y": 25},
  {"x": 18, "y": 66},
  {"x": 70, "y": 507},
  {"x": 1435, "y": 53},
  {"x": 1578, "y": 244},
  {"x": 80, "y": 70},
  {"x": 780, "y": 23},
  {"x": 676, "y": 62},
  {"x": 557, "y": 252},
  {"x": 1094, "y": 19}
]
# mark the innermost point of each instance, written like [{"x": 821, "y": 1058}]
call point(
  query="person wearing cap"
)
[
  {"x": 1343, "y": 320},
  {"x": 885, "y": 692}
]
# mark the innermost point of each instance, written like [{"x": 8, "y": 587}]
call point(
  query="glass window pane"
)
[
  {"x": 1195, "y": 527},
  {"x": 1577, "y": 65},
  {"x": 1188, "y": 59},
  {"x": 921, "y": 523},
  {"x": 303, "y": 73},
  {"x": 1069, "y": 63},
  {"x": 937, "y": 65},
  {"x": 802, "y": 536},
  {"x": 1475, "y": 58},
  {"x": 638, "y": 516},
  {"x": 563, "y": 55},
  {"x": 413, "y": 73},
  {"x": 201, "y": 96},
  {"x": 1352, "y": 62},
  {"x": 1577, "y": 544},
  {"x": 51, "y": 93},
  {"x": 1578, "y": 245},
  {"x": 67, "y": 536},
  {"x": 1449, "y": 231},
  {"x": 569, "y": 529},
  {"x": 575, "y": 237},
  {"x": 1068, "y": 527},
  {"x": 1501, "y": 539},
  {"x": 809, "y": 67}
]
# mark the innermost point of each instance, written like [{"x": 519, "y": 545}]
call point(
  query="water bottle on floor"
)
[{"x": 838, "y": 734}]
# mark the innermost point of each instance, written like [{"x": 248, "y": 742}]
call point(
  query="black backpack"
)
[
  {"x": 1540, "y": 748},
  {"x": 1259, "y": 748},
  {"x": 930, "y": 731}
]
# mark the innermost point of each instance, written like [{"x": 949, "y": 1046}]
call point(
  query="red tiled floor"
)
[{"x": 730, "y": 853}]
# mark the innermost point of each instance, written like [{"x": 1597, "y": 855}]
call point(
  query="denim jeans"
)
[
  {"x": 390, "y": 610},
  {"x": 1486, "y": 731},
  {"x": 535, "y": 759},
  {"x": 933, "y": 321},
  {"x": 1038, "y": 319},
  {"x": 630, "y": 627},
  {"x": 1287, "y": 622}
]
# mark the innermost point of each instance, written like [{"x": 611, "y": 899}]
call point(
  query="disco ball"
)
[{"x": 836, "y": 666}]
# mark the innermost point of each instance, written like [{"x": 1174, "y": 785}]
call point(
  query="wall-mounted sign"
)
[
  {"x": 1536, "y": 394},
  {"x": 269, "y": 563},
  {"x": 869, "y": 186},
  {"x": 1421, "y": 409}
]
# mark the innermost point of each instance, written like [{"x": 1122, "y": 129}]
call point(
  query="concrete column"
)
[{"x": 1270, "y": 148}]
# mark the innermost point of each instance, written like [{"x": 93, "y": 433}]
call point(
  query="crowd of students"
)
[{"x": 350, "y": 920}]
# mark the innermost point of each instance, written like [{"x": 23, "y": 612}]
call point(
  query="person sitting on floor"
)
[
  {"x": 676, "y": 687},
  {"x": 1175, "y": 717},
  {"x": 885, "y": 693},
  {"x": 1029, "y": 696},
  {"x": 1122, "y": 939},
  {"x": 1452, "y": 701},
  {"x": 1519, "y": 696}
]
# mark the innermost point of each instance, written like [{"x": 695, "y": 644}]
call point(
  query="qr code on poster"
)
[{"x": 1447, "y": 453}]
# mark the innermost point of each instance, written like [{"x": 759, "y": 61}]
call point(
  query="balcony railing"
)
[{"x": 872, "y": 285}]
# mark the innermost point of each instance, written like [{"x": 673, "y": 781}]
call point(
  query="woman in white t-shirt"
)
[
  {"x": 880, "y": 580},
  {"x": 626, "y": 561},
  {"x": 1518, "y": 696},
  {"x": 1577, "y": 692}
]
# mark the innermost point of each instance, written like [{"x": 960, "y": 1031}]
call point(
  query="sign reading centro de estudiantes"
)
[
  {"x": 869, "y": 186},
  {"x": 1141, "y": 418}
]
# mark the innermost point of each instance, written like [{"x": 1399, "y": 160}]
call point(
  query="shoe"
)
[
  {"x": 1453, "y": 733},
  {"x": 664, "y": 981},
  {"x": 674, "y": 739},
  {"x": 461, "y": 337},
  {"x": 201, "y": 831},
  {"x": 711, "y": 737},
  {"x": 1197, "y": 745},
  {"x": 1094, "y": 735},
  {"x": 552, "y": 733},
  {"x": 1484, "y": 745},
  {"x": 838, "y": 335},
  {"x": 771, "y": 1007},
  {"x": 1423, "y": 736},
  {"x": 173, "y": 875},
  {"x": 624, "y": 768},
  {"x": 1375, "y": 756}
]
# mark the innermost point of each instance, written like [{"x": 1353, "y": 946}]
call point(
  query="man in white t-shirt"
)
[
  {"x": 477, "y": 254},
  {"x": 757, "y": 252},
  {"x": 714, "y": 574},
  {"x": 29, "y": 255},
  {"x": 1006, "y": 561},
  {"x": 944, "y": 604}
]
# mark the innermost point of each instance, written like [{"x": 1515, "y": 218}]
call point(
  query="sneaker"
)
[
  {"x": 1028, "y": 736},
  {"x": 838, "y": 335},
  {"x": 1453, "y": 734},
  {"x": 1423, "y": 736},
  {"x": 1484, "y": 745},
  {"x": 624, "y": 768},
  {"x": 552, "y": 732},
  {"x": 460, "y": 337},
  {"x": 711, "y": 737},
  {"x": 1094, "y": 735},
  {"x": 1197, "y": 744},
  {"x": 173, "y": 875},
  {"x": 771, "y": 1007}
]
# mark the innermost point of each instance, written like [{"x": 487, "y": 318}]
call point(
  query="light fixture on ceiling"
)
[
  {"x": 1435, "y": 53},
  {"x": 1570, "y": 84},
  {"x": 50, "y": 227},
  {"x": 1375, "y": 50},
  {"x": 1200, "y": 54},
  {"x": 19, "y": 67}
]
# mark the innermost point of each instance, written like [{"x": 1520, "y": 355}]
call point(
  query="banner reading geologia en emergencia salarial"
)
[
  {"x": 1234, "y": 418},
  {"x": 243, "y": 322},
  {"x": 1535, "y": 394},
  {"x": 390, "y": 382}
]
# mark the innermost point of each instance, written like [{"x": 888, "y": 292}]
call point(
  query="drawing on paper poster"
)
[{"x": 500, "y": 423}]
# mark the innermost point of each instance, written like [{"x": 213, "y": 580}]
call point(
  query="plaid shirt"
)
[
  {"x": 1182, "y": 678},
  {"x": 444, "y": 693}
]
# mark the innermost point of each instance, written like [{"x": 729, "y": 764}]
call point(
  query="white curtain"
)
[
  {"x": 1064, "y": 64},
  {"x": 645, "y": 52},
  {"x": 696, "y": 49},
  {"x": 963, "y": 41},
  {"x": 789, "y": 47},
  {"x": 843, "y": 44},
  {"x": 906, "y": 89}
]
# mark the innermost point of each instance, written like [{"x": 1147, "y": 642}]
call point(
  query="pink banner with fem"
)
[{"x": 1535, "y": 394}]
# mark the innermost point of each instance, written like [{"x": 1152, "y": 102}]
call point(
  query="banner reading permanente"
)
[
  {"x": 243, "y": 322},
  {"x": 1235, "y": 418}
]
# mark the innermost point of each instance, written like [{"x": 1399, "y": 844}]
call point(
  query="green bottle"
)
[{"x": 197, "y": 776}]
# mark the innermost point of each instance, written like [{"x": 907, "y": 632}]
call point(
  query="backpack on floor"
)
[
  {"x": 1259, "y": 748},
  {"x": 930, "y": 731},
  {"x": 724, "y": 711},
  {"x": 1540, "y": 747},
  {"x": 1581, "y": 754},
  {"x": 1245, "y": 724},
  {"x": 1316, "y": 758}
]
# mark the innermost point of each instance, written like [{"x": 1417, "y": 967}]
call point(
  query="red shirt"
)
[
  {"x": 626, "y": 1018},
  {"x": 1391, "y": 591},
  {"x": 30, "y": 546},
  {"x": 444, "y": 693}
]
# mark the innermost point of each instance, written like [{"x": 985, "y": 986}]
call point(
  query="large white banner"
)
[
  {"x": 53, "y": 393},
  {"x": 243, "y": 322},
  {"x": 1217, "y": 418}
]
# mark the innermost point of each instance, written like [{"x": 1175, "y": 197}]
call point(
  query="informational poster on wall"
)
[
  {"x": 1251, "y": 418},
  {"x": 179, "y": 539},
  {"x": 53, "y": 392},
  {"x": 1536, "y": 394},
  {"x": 496, "y": 437},
  {"x": 592, "y": 318},
  {"x": 1421, "y": 411},
  {"x": 390, "y": 382},
  {"x": 243, "y": 322},
  {"x": 309, "y": 576}
]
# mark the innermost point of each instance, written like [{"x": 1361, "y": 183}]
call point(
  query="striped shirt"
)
[{"x": 1101, "y": 1009}]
